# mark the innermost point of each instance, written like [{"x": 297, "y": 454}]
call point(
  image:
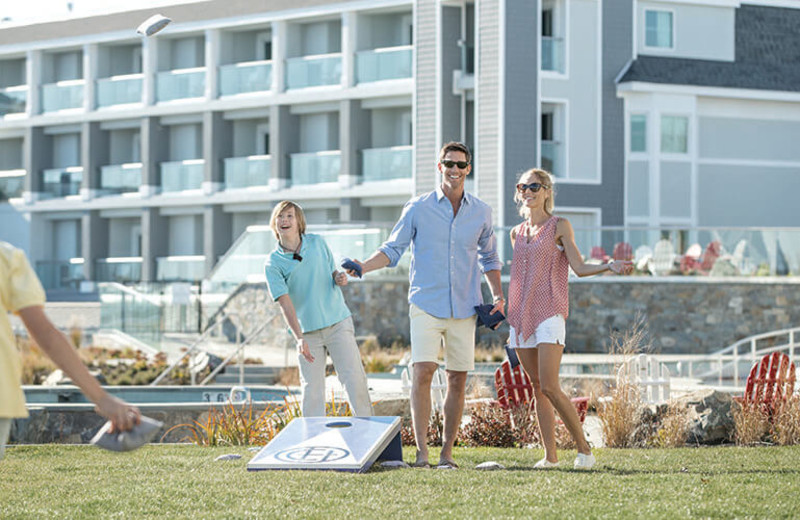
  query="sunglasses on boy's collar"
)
[
  {"x": 534, "y": 187},
  {"x": 447, "y": 163}
]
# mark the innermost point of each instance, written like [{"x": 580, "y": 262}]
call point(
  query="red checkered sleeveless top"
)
[{"x": 539, "y": 271}]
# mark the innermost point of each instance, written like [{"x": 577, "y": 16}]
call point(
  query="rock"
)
[
  {"x": 710, "y": 416},
  {"x": 255, "y": 448},
  {"x": 396, "y": 407},
  {"x": 394, "y": 464},
  {"x": 490, "y": 466},
  {"x": 229, "y": 456}
]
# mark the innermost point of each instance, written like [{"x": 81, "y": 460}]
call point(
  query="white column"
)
[
  {"x": 212, "y": 63},
  {"x": 348, "y": 48},
  {"x": 149, "y": 69},
  {"x": 279, "y": 42},
  {"x": 33, "y": 73},
  {"x": 89, "y": 76}
]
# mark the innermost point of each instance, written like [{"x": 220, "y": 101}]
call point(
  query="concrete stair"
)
[{"x": 253, "y": 375}]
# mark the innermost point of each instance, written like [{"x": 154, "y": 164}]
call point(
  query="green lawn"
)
[{"x": 178, "y": 481}]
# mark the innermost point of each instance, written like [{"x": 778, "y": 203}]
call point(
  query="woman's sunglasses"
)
[
  {"x": 534, "y": 187},
  {"x": 447, "y": 163}
]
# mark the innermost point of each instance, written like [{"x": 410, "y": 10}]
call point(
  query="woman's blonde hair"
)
[
  {"x": 298, "y": 214},
  {"x": 546, "y": 179}
]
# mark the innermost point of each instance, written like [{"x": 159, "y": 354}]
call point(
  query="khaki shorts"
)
[{"x": 427, "y": 333}]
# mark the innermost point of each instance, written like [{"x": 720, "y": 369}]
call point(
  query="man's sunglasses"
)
[
  {"x": 447, "y": 163},
  {"x": 534, "y": 187}
]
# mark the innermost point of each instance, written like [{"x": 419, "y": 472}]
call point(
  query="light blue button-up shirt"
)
[{"x": 446, "y": 252}]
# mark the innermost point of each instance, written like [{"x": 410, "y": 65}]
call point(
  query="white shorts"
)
[
  {"x": 427, "y": 333},
  {"x": 552, "y": 330}
]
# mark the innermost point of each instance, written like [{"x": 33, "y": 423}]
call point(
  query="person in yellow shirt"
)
[{"x": 21, "y": 293}]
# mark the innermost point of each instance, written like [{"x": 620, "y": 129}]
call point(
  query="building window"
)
[
  {"x": 638, "y": 133},
  {"x": 552, "y": 139},
  {"x": 674, "y": 134},
  {"x": 658, "y": 29}
]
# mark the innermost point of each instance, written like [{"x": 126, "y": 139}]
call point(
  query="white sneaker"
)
[
  {"x": 584, "y": 461},
  {"x": 544, "y": 464}
]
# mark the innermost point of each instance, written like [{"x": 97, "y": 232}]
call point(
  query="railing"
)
[
  {"x": 314, "y": 168},
  {"x": 62, "y": 95},
  {"x": 60, "y": 274},
  {"x": 181, "y": 84},
  {"x": 62, "y": 182},
  {"x": 182, "y": 175},
  {"x": 13, "y": 100},
  {"x": 552, "y": 53},
  {"x": 247, "y": 172},
  {"x": 118, "y": 269},
  {"x": 119, "y": 90},
  {"x": 190, "y": 268},
  {"x": 121, "y": 178},
  {"x": 314, "y": 71},
  {"x": 239, "y": 78},
  {"x": 551, "y": 157},
  {"x": 380, "y": 164},
  {"x": 383, "y": 64},
  {"x": 12, "y": 183}
]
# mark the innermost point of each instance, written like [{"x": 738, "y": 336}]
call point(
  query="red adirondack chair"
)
[
  {"x": 622, "y": 251},
  {"x": 771, "y": 380},
  {"x": 513, "y": 386}
]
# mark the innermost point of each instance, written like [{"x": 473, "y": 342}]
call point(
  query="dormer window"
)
[{"x": 658, "y": 29}]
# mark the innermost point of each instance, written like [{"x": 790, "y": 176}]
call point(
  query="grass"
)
[{"x": 184, "y": 481}]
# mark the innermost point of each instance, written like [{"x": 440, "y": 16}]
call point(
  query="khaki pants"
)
[
  {"x": 5, "y": 429},
  {"x": 340, "y": 342}
]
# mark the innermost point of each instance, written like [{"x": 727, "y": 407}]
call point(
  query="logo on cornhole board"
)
[{"x": 331, "y": 443}]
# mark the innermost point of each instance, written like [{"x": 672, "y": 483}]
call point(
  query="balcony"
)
[
  {"x": 553, "y": 53},
  {"x": 180, "y": 268},
  {"x": 182, "y": 175},
  {"x": 551, "y": 158},
  {"x": 12, "y": 182},
  {"x": 314, "y": 71},
  {"x": 119, "y": 90},
  {"x": 62, "y": 182},
  {"x": 63, "y": 95},
  {"x": 315, "y": 168},
  {"x": 121, "y": 178},
  {"x": 383, "y": 64},
  {"x": 247, "y": 172},
  {"x": 383, "y": 164},
  {"x": 181, "y": 84},
  {"x": 60, "y": 274},
  {"x": 118, "y": 269},
  {"x": 240, "y": 78},
  {"x": 13, "y": 100}
]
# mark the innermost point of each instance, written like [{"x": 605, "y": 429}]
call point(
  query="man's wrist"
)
[{"x": 497, "y": 299}]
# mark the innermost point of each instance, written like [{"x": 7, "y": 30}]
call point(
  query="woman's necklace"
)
[{"x": 295, "y": 252}]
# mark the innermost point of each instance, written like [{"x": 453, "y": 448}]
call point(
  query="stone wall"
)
[{"x": 682, "y": 314}]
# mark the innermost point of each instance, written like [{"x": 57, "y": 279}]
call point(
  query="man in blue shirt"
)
[{"x": 452, "y": 241}]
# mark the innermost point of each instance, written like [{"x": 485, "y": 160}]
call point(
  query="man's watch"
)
[{"x": 498, "y": 299}]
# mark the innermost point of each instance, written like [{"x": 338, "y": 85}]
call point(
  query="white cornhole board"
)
[{"x": 329, "y": 443}]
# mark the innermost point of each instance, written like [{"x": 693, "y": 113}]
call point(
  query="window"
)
[
  {"x": 658, "y": 29},
  {"x": 638, "y": 133},
  {"x": 674, "y": 132},
  {"x": 547, "y": 22}
]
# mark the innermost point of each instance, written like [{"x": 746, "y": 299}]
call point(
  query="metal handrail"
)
[{"x": 239, "y": 347}]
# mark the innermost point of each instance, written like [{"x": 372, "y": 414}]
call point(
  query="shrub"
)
[
  {"x": 751, "y": 424},
  {"x": 435, "y": 430},
  {"x": 490, "y": 426},
  {"x": 786, "y": 422},
  {"x": 673, "y": 430}
]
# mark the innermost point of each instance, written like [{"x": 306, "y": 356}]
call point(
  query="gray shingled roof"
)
[{"x": 767, "y": 56}]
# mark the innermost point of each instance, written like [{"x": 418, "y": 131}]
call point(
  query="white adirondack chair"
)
[
  {"x": 663, "y": 257},
  {"x": 651, "y": 376},
  {"x": 643, "y": 257},
  {"x": 438, "y": 386}
]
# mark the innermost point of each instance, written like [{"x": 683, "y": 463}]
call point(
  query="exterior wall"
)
[
  {"x": 426, "y": 74},
  {"x": 699, "y": 32},
  {"x": 488, "y": 107}
]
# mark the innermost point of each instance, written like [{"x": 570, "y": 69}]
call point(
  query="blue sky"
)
[{"x": 34, "y": 10}]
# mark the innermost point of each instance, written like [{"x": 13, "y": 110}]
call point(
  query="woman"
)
[
  {"x": 544, "y": 250},
  {"x": 303, "y": 279}
]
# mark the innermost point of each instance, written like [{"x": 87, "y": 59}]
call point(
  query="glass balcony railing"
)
[
  {"x": 118, "y": 269},
  {"x": 119, "y": 90},
  {"x": 314, "y": 168},
  {"x": 383, "y": 64},
  {"x": 62, "y": 95},
  {"x": 551, "y": 157},
  {"x": 13, "y": 100},
  {"x": 181, "y": 84},
  {"x": 182, "y": 175},
  {"x": 251, "y": 76},
  {"x": 552, "y": 53},
  {"x": 12, "y": 182},
  {"x": 121, "y": 178},
  {"x": 60, "y": 274},
  {"x": 180, "y": 268},
  {"x": 62, "y": 182},
  {"x": 313, "y": 71},
  {"x": 382, "y": 164},
  {"x": 247, "y": 172}
]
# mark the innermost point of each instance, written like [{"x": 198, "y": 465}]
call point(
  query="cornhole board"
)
[{"x": 332, "y": 443}]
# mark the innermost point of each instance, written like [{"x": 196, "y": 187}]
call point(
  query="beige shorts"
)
[
  {"x": 552, "y": 330},
  {"x": 427, "y": 333}
]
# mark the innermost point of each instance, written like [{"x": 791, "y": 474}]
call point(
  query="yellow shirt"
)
[{"x": 19, "y": 288}]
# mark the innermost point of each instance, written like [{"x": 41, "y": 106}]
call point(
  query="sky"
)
[{"x": 38, "y": 10}]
